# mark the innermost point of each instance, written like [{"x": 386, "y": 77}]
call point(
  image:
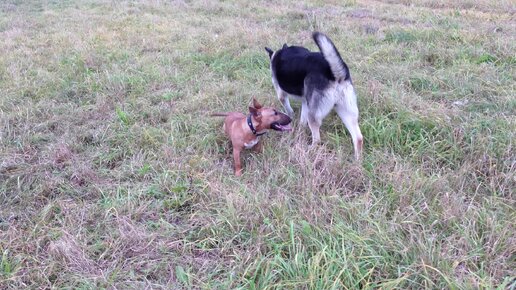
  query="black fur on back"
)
[{"x": 294, "y": 63}]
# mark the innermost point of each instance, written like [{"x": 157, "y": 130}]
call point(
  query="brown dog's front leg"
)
[
  {"x": 238, "y": 165},
  {"x": 258, "y": 148}
]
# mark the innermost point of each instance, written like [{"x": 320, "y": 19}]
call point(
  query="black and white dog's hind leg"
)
[
  {"x": 318, "y": 105},
  {"x": 347, "y": 109},
  {"x": 316, "y": 114},
  {"x": 304, "y": 113}
]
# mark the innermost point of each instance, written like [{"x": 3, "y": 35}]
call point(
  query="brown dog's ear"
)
[
  {"x": 256, "y": 104},
  {"x": 254, "y": 111}
]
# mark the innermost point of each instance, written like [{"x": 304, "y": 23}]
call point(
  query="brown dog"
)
[{"x": 245, "y": 131}]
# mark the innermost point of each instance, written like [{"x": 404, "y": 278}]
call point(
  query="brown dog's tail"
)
[{"x": 219, "y": 114}]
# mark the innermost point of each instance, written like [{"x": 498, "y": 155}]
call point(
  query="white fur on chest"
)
[{"x": 251, "y": 144}]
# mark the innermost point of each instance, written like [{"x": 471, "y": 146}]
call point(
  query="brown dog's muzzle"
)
[{"x": 283, "y": 124}]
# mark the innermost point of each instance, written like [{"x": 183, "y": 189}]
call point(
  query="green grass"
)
[{"x": 112, "y": 175}]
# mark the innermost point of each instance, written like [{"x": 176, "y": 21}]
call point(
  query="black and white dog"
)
[{"x": 321, "y": 80}]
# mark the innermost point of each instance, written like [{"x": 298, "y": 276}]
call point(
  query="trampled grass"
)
[{"x": 112, "y": 175}]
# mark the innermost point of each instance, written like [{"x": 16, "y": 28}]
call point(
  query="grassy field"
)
[{"x": 112, "y": 175}]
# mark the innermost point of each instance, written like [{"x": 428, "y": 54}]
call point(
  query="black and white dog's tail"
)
[{"x": 331, "y": 54}]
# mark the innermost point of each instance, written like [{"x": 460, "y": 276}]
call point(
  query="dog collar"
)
[{"x": 250, "y": 124}]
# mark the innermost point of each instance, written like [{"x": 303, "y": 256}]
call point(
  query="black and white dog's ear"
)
[
  {"x": 285, "y": 46},
  {"x": 270, "y": 51}
]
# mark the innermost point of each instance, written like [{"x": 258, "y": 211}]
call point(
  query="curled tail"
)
[
  {"x": 219, "y": 114},
  {"x": 337, "y": 65}
]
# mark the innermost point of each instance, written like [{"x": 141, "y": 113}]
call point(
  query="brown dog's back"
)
[{"x": 230, "y": 120}]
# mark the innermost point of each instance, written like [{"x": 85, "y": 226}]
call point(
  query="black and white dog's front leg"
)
[{"x": 283, "y": 98}]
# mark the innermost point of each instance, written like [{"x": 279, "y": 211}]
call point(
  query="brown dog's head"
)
[{"x": 269, "y": 118}]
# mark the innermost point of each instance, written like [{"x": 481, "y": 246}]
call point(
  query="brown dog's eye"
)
[{"x": 275, "y": 112}]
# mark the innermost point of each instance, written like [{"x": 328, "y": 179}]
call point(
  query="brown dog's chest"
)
[{"x": 250, "y": 144}]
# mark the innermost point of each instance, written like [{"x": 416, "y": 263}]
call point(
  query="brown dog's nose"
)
[
  {"x": 282, "y": 123},
  {"x": 284, "y": 117}
]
